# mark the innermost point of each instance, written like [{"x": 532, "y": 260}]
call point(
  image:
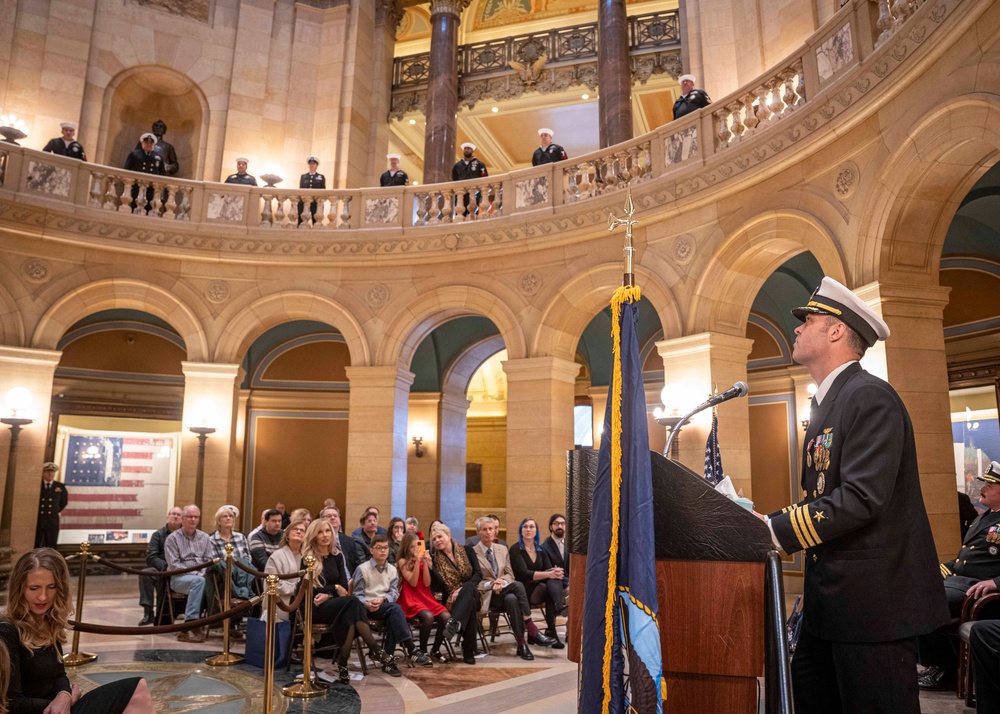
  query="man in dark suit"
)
[
  {"x": 51, "y": 502},
  {"x": 395, "y": 176},
  {"x": 156, "y": 560},
  {"x": 555, "y": 545},
  {"x": 872, "y": 581},
  {"x": 311, "y": 180},
  {"x": 975, "y": 572},
  {"x": 984, "y": 651},
  {"x": 67, "y": 145}
]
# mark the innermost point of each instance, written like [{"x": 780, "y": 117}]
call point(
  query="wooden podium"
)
[{"x": 710, "y": 574}]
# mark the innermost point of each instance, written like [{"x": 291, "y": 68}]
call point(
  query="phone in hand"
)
[{"x": 421, "y": 548}]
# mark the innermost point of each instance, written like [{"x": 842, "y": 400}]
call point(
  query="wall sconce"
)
[
  {"x": 417, "y": 450},
  {"x": 271, "y": 175},
  {"x": 12, "y": 129},
  {"x": 203, "y": 412},
  {"x": 670, "y": 414}
]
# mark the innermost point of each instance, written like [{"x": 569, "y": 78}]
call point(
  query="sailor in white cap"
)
[
  {"x": 313, "y": 179},
  {"x": 51, "y": 502},
  {"x": 468, "y": 167},
  {"x": 872, "y": 578},
  {"x": 241, "y": 176},
  {"x": 547, "y": 153},
  {"x": 691, "y": 98},
  {"x": 395, "y": 176},
  {"x": 66, "y": 145}
]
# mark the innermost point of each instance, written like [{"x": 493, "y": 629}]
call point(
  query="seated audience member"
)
[
  {"x": 474, "y": 539},
  {"x": 397, "y": 527},
  {"x": 32, "y": 632},
  {"x": 378, "y": 529},
  {"x": 413, "y": 526},
  {"x": 260, "y": 526},
  {"x": 456, "y": 573},
  {"x": 541, "y": 580},
  {"x": 301, "y": 514},
  {"x": 376, "y": 584},
  {"x": 266, "y": 540},
  {"x": 156, "y": 561},
  {"x": 285, "y": 561},
  {"x": 975, "y": 572},
  {"x": 984, "y": 651},
  {"x": 332, "y": 605},
  {"x": 185, "y": 547},
  {"x": 500, "y": 589},
  {"x": 351, "y": 551},
  {"x": 286, "y": 517},
  {"x": 415, "y": 596},
  {"x": 369, "y": 529},
  {"x": 555, "y": 546}
]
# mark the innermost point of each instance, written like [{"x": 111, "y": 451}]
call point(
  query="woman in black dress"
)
[
  {"x": 542, "y": 581},
  {"x": 33, "y": 628},
  {"x": 332, "y": 603}
]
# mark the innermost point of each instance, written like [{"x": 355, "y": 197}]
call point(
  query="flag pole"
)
[{"x": 628, "y": 278}]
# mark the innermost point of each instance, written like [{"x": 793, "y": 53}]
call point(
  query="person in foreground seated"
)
[
  {"x": 871, "y": 582},
  {"x": 266, "y": 540},
  {"x": 415, "y": 596},
  {"x": 500, "y": 589},
  {"x": 332, "y": 605},
  {"x": 542, "y": 581},
  {"x": 456, "y": 572},
  {"x": 285, "y": 561},
  {"x": 975, "y": 572},
  {"x": 397, "y": 527},
  {"x": 33, "y": 630},
  {"x": 555, "y": 546},
  {"x": 156, "y": 560},
  {"x": 376, "y": 584},
  {"x": 185, "y": 547},
  {"x": 984, "y": 651}
]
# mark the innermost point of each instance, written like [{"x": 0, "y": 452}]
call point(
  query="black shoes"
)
[
  {"x": 392, "y": 670},
  {"x": 524, "y": 653},
  {"x": 452, "y": 628},
  {"x": 343, "y": 675},
  {"x": 147, "y": 617},
  {"x": 468, "y": 659},
  {"x": 542, "y": 640},
  {"x": 937, "y": 679},
  {"x": 419, "y": 658}
]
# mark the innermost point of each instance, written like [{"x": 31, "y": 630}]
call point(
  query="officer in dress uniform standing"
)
[
  {"x": 241, "y": 176},
  {"x": 691, "y": 99},
  {"x": 66, "y": 145},
  {"x": 313, "y": 179},
  {"x": 547, "y": 153},
  {"x": 395, "y": 176},
  {"x": 469, "y": 167},
  {"x": 51, "y": 502},
  {"x": 145, "y": 160},
  {"x": 164, "y": 148}
]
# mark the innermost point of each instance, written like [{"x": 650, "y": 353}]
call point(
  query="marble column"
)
[
  {"x": 452, "y": 423},
  {"x": 614, "y": 73},
  {"x": 377, "y": 440},
  {"x": 540, "y": 395},
  {"x": 388, "y": 14},
  {"x": 442, "y": 90},
  {"x": 705, "y": 363},
  {"x": 914, "y": 362},
  {"x": 32, "y": 369}
]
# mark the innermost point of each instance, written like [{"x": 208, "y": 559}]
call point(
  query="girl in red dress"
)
[{"x": 415, "y": 596}]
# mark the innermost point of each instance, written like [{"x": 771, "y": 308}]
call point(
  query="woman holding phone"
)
[{"x": 415, "y": 596}]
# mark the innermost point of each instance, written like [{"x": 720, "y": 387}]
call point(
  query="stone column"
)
[
  {"x": 442, "y": 90},
  {"x": 376, "y": 440},
  {"x": 540, "y": 395},
  {"x": 614, "y": 73},
  {"x": 452, "y": 423},
  {"x": 706, "y": 363},
  {"x": 914, "y": 362},
  {"x": 388, "y": 15},
  {"x": 210, "y": 399},
  {"x": 32, "y": 369}
]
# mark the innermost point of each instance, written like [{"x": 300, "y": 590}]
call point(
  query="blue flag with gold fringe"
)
[{"x": 622, "y": 667}]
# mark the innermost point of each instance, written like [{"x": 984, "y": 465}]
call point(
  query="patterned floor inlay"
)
[{"x": 440, "y": 681}]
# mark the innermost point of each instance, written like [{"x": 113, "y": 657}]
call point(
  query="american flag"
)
[
  {"x": 713, "y": 457},
  {"x": 116, "y": 482}
]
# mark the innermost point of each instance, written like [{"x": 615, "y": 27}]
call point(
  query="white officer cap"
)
[
  {"x": 312, "y": 160},
  {"x": 545, "y": 130},
  {"x": 992, "y": 473},
  {"x": 50, "y": 466},
  {"x": 148, "y": 135},
  {"x": 68, "y": 125},
  {"x": 244, "y": 160},
  {"x": 832, "y": 298},
  {"x": 689, "y": 77},
  {"x": 390, "y": 157},
  {"x": 468, "y": 145}
]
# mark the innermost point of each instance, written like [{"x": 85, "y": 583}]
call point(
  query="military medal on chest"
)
[
  {"x": 821, "y": 483},
  {"x": 821, "y": 450}
]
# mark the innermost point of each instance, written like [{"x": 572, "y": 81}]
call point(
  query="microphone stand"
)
[{"x": 677, "y": 428}]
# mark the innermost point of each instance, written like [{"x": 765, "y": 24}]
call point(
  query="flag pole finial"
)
[{"x": 628, "y": 278}]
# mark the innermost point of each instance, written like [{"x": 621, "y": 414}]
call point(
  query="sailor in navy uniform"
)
[
  {"x": 66, "y": 145},
  {"x": 691, "y": 99},
  {"x": 145, "y": 160},
  {"x": 395, "y": 176},
  {"x": 241, "y": 176},
  {"x": 872, "y": 582},
  {"x": 313, "y": 179},
  {"x": 469, "y": 167},
  {"x": 51, "y": 502},
  {"x": 547, "y": 153},
  {"x": 976, "y": 572}
]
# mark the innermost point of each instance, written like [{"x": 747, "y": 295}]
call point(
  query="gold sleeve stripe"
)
[
  {"x": 800, "y": 528},
  {"x": 795, "y": 529},
  {"x": 945, "y": 570},
  {"x": 786, "y": 509},
  {"x": 810, "y": 527},
  {"x": 802, "y": 515}
]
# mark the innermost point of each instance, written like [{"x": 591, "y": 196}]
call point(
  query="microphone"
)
[{"x": 740, "y": 389}]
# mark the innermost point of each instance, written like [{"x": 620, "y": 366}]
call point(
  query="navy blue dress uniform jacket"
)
[
  {"x": 74, "y": 150},
  {"x": 151, "y": 163},
  {"x": 393, "y": 179},
  {"x": 979, "y": 557},
  {"x": 242, "y": 179},
  {"x": 463, "y": 171},
  {"x": 312, "y": 181},
  {"x": 871, "y": 572},
  {"x": 549, "y": 155},
  {"x": 51, "y": 502},
  {"x": 694, "y": 100}
]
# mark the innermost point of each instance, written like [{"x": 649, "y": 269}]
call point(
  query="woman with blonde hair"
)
[
  {"x": 33, "y": 628},
  {"x": 456, "y": 571},
  {"x": 285, "y": 560},
  {"x": 332, "y": 603}
]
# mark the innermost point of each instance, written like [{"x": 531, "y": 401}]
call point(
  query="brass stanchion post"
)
[
  {"x": 225, "y": 659},
  {"x": 272, "y": 608},
  {"x": 306, "y": 688},
  {"x": 76, "y": 657}
]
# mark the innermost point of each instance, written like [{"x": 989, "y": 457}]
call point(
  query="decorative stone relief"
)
[
  {"x": 530, "y": 283},
  {"x": 532, "y": 192},
  {"x": 46, "y": 178},
  {"x": 684, "y": 249},
  {"x": 35, "y": 270},
  {"x": 846, "y": 182},
  {"x": 837, "y": 52},
  {"x": 388, "y": 12},
  {"x": 225, "y": 207},
  {"x": 193, "y": 9},
  {"x": 377, "y": 295},
  {"x": 217, "y": 291},
  {"x": 681, "y": 146},
  {"x": 381, "y": 211}
]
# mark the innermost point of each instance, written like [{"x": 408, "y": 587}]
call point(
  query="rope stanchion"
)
[
  {"x": 306, "y": 689},
  {"x": 153, "y": 573},
  {"x": 226, "y": 658},
  {"x": 75, "y": 658},
  {"x": 272, "y": 595},
  {"x": 166, "y": 629}
]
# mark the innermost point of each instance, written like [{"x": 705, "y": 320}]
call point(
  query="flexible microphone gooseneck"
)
[{"x": 740, "y": 389}]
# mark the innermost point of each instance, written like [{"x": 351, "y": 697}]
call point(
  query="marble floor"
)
[{"x": 182, "y": 682}]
